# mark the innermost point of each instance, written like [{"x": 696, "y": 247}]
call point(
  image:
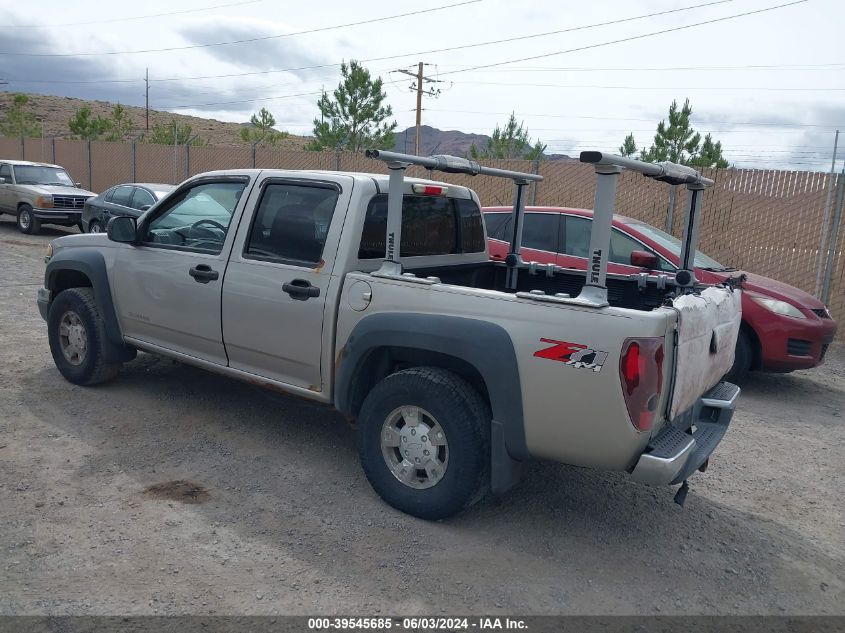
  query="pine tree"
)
[
  {"x": 18, "y": 121},
  {"x": 85, "y": 126},
  {"x": 172, "y": 133},
  {"x": 511, "y": 142},
  {"x": 262, "y": 130},
  {"x": 356, "y": 116},
  {"x": 678, "y": 142},
  {"x": 710, "y": 154},
  {"x": 119, "y": 126},
  {"x": 629, "y": 146}
]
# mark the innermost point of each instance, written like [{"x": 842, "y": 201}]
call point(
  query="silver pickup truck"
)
[{"x": 375, "y": 294}]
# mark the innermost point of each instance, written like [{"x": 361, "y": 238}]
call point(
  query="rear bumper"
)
[{"x": 684, "y": 446}]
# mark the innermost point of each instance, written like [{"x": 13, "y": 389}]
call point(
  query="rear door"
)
[
  {"x": 540, "y": 236},
  {"x": 280, "y": 275},
  {"x": 140, "y": 199},
  {"x": 118, "y": 203}
]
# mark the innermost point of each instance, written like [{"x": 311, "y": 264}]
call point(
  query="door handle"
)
[
  {"x": 301, "y": 289},
  {"x": 202, "y": 273}
]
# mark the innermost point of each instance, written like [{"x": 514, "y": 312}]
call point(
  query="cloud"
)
[
  {"x": 101, "y": 78},
  {"x": 261, "y": 55}
]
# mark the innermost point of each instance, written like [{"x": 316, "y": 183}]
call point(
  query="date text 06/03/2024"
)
[{"x": 416, "y": 624}]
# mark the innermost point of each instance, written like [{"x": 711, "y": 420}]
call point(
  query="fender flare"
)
[
  {"x": 485, "y": 346},
  {"x": 92, "y": 264}
]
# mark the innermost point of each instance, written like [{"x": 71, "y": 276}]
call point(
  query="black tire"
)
[
  {"x": 94, "y": 226},
  {"x": 27, "y": 222},
  {"x": 465, "y": 419},
  {"x": 743, "y": 359},
  {"x": 91, "y": 369}
]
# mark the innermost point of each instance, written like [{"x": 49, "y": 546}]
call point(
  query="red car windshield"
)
[{"x": 673, "y": 245}]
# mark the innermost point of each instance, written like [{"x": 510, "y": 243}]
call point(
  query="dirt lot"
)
[{"x": 171, "y": 490}]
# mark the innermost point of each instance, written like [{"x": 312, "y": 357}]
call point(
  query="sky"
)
[{"x": 770, "y": 85}]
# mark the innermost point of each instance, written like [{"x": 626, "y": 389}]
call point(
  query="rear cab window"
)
[{"x": 431, "y": 225}]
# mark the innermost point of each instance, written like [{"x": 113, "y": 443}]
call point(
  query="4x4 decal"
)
[{"x": 573, "y": 354}]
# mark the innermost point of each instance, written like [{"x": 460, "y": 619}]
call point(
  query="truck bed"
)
[{"x": 623, "y": 291}]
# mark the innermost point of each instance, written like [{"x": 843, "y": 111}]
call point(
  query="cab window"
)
[
  {"x": 431, "y": 225},
  {"x": 291, "y": 223},
  {"x": 6, "y": 172},
  {"x": 197, "y": 218}
]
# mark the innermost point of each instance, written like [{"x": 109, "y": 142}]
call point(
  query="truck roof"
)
[
  {"x": 28, "y": 162},
  {"x": 381, "y": 180}
]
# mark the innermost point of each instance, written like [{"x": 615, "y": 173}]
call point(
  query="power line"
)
[
  {"x": 606, "y": 118},
  {"x": 628, "y": 39},
  {"x": 834, "y": 66},
  {"x": 801, "y": 67},
  {"x": 249, "y": 40},
  {"x": 137, "y": 17},
  {"x": 274, "y": 98},
  {"x": 601, "y": 87}
]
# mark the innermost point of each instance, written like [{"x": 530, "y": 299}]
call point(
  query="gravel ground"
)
[{"x": 175, "y": 491}]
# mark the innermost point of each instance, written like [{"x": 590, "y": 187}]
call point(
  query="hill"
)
[
  {"x": 434, "y": 141},
  {"x": 54, "y": 113},
  {"x": 455, "y": 142}
]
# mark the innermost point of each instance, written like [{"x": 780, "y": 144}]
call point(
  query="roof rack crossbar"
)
[{"x": 608, "y": 167}]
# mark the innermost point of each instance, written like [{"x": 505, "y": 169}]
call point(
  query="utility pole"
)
[
  {"x": 418, "y": 86},
  {"x": 147, "y": 82}
]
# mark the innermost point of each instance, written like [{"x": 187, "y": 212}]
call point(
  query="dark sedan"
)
[{"x": 130, "y": 199}]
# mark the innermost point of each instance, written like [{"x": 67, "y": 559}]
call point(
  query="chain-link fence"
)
[{"x": 774, "y": 223}]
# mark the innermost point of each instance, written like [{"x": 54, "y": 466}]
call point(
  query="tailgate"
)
[{"x": 708, "y": 325}]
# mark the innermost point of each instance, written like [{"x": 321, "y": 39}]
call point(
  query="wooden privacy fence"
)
[{"x": 768, "y": 222}]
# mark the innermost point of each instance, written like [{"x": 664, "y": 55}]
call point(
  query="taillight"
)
[
  {"x": 641, "y": 373},
  {"x": 429, "y": 190}
]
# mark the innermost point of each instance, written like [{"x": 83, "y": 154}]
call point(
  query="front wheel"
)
[
  {"x": 424, "y": 442},
  {"x": 743, "y": 358},
  {"x": 94, "y": 226},
  {"x": 77, "y": 338},
  {"x": 27, "y": 222}
]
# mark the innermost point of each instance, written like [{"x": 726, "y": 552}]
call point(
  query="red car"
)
[{"x": 783, "y": 327}]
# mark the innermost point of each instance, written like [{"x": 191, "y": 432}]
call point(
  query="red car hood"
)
[{"x": 776, "y": 290}]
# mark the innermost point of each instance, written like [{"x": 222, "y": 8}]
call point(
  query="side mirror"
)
[
  {"x": 122, "y": 229},
  {"x": 644, "y": 259},
  {"x": 2, "y": 181},
  {"x": 78, "y": 185},
  {"x": 145, "y": 207}
]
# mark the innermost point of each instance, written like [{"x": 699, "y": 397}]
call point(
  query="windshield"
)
[
  {"x": 40, "y": 175},
  {"x": 673, "y": 245}
]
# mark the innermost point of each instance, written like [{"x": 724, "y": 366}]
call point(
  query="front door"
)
[
  {"x": 279, "y": 277},
  {"x": 7, "y": 196},
  {"x": 168, "y": 287}
]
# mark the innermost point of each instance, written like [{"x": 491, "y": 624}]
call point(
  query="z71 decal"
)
[{"x": 573, "y": 354}]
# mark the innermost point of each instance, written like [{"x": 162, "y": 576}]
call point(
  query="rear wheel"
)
[
  {"x": 77, "y": 338},
  {"x": 424, "y": 442},
  {"x": 743, "y": 359},
  {"x": 27, "y": 222}
]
